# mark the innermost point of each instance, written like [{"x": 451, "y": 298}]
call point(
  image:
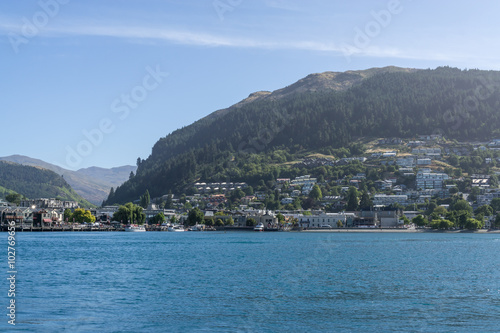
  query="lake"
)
[{"x": 255, "y": 282}]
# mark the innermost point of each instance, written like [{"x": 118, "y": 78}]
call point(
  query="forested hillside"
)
[
  {"x": 93, "y": 183},
  {"x": 252, "y": 141},
  {"x": 34, "y": 182}
]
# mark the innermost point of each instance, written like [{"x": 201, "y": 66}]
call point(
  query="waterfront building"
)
[{"x": 326, "y": 219}]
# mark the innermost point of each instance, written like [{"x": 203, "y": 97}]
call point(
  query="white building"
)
[
  {"x": 406, "y": 162},
  {"x": 306, "y": 182},
  {"x": 325, "y": 219},
  {"x": 485, "y": 199},
  {"x": 430, "y": 180},
  {"x": 424, "y": 161}
]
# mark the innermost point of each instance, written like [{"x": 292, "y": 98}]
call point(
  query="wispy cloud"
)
[
  {"x": 171, "y": 35},
  {"x": 140, "y": 34}
]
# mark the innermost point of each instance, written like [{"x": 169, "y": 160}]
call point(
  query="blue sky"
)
[{"x": 97, "y": 83}]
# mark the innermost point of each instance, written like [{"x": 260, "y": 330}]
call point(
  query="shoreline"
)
[{"x": 378, "y": 230}]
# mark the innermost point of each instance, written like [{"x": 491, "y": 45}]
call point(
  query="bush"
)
[{"x": 441, "y": 224}]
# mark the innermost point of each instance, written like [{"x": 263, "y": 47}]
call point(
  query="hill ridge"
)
[
  {"x": 91, "y": 183},
  {"x": 319, "y": 113}
]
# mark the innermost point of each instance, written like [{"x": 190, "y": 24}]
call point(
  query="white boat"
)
[
  {"x": 176, "y": 228},
  {"x": 259, "y": 227},
  {"x": 135, "y": 228},
  {"x": 196, "y": 228}
]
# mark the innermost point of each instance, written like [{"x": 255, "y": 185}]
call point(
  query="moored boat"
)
[
  {"x": 196, "y": 228},
  {"x": 135, "y": 228},
  {"x": 176, "y": 228},
  {"x": 259, "y": 227}
]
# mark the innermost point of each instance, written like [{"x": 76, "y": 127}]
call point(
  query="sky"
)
[{"x": 97, "y": 83}]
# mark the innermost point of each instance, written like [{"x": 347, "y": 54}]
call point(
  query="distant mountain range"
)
[
  {"x": 36, "y": 182},
  {"x": 256, "y": 139},
  {"x": 93, "y": 184}
]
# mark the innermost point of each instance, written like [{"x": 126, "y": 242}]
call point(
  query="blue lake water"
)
[{"x": 255, "y": 282}]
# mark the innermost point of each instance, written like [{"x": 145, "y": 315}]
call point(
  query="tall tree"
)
[
  {"x": 195, "y": 216},
  {"x": 169, "y": 202},
  {"x": 145, "y": 199},
  {"x": 352, "y": 199},
  {"x": 365, "y": 202},
  {"x": 67, "y": 215},
  {"x": 315, "y": 193},
  {"x": 495, "y": 204}
]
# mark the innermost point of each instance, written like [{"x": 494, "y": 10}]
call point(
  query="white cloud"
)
[{"x": 140, "y": 34}]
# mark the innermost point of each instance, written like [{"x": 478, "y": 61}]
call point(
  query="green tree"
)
[
  {"x": 219, "y": 223},
  {"x": 67, "y": 215},
  {"x": 485, "y": 210},
  {"x": 195, "y": 216},
  {"x": 169, "y": 204},
  {"x": 230, "y": 221},
  {"x": 145, "y": 199},
  {"x": 111, "y": 193},
  {"x": 248, "y": 190},
  {"x": 496, "y": 224},
  {"x": 440, "y": 210},
  {"x": 459, "y": 217},
  {"x": 352, "y": 199},
  {"x": 14, "y": 198},
  {"x": 81, "y": 215},
  {"x": 157, "y": 219},
  {"x": 473, "y": 224},
  {"x": 494, "y": 181},
  {"x": 474, "y": 193},
  {"x": 419, "y": 221},
  {"x": 406, "y": 220},
  {"x": 130, "y": 213},
  {"x": 365, "y": 202},
  {"x": 251, "y": 222},
  {"x": 495, "y": 204},
  {"x": 441, "y": 224},
  {"x": 430, "y": 208},
  {"x": 237, "y": 195},
  {"x": 462, "y": 205},
  {"x": 315, "y": 193},
  {"x": 340, "y": 224}
]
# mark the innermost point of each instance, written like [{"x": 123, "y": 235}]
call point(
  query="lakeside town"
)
[{"x": 406, "y": 184}]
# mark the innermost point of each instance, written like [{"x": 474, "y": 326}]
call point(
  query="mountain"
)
[
  {"x": 36, "y": 182},
  {"x": 256, "y": 139},
  {"x": 92, "y": 183}
]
